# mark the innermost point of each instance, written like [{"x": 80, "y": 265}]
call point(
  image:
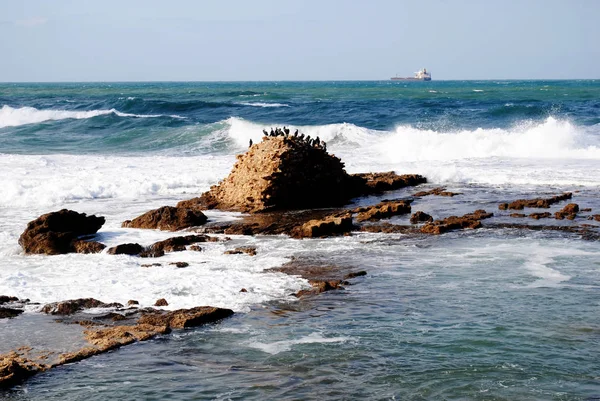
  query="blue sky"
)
[{"x": 205, "y": 40}]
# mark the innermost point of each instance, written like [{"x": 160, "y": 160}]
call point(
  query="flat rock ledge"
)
[
  {"x": 58, "y": 233},
  {"x": 544, "y": 203},
  {"x": 17, "y": 366}
]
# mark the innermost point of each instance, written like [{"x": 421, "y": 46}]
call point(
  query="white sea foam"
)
[
  {"x": 14, "y": 117},
  {"x": 262, "y": 104},
  {"x": 286, "y": 345}
]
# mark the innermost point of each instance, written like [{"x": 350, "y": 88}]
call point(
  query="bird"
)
[
  {"x": 317, "y": 141},
  {"x": 324, "y": 146},
  {"x": 286, "y": 130},
  {"x": 250, "y": 143},
  {"x": 265, "y": 132},
  {"x": 296, "y": 134},
  {"x": 272, "y": 132}
]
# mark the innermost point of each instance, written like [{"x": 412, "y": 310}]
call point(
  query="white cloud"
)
[{"x": 33, "y": 21}]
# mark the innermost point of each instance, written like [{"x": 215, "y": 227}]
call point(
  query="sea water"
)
[{"x": 499, "y": 314}]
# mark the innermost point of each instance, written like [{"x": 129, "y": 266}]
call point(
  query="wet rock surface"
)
[
  {"x": 249, "y": 250},
  {"x": 126, "y": 249},
  {"x": 183, "y": 318},
  {"x": 81, "y": 246},
  {"x": 54, "y": 233},
  {"x": 9, "y": 312},
  {"x": 439, "y": 191},
  {"x": 420, "y": 217},
  {"x": 470, "y": 220},
  {"x": 568, "y": 212},
  {"x": 168, "y": 218},
  {"x": 383, "y": 210},
  {"x": 545, "y": 203},
  {"x": 330, "y": 225},
  {"x": 177, "y": 244},
  {"x": 75, "y": 305}
]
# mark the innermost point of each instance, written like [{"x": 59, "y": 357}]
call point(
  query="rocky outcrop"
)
[
  {"x": 375, "y": 183},
  {"x": 161, "y": 302},
  {"x": 420, "y": 217},
  {"x": 282, "y": 173},
  {"x": 470, "y": 220},
  {"x": 54, "y": 233},
  {"x": 249, "y": 250},
  {"x": 568, "y": 212},
  {"x": 75, "y": 305},
  {"x": 330, "y": 225},
  {"x": 5, "y": 299},
  {"x": 168, "y": 218},
  {"x": 126, "y": 249},
  {"x": 543, "y": 215},
  {"x": 181, "y": 318},
  {"x": 14, "y": 369},
  {"x": 436, "y": 191},
  {"x": 382, "y": 210},
  {"x": 545, "y": 203}
]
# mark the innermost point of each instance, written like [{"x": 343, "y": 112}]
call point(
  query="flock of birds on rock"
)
[{"x": 315, "y": 143}]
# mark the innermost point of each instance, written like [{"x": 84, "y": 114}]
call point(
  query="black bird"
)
[
  {"x": 301, "y": 137},
  {"x": 317, "y": 141},
  {"x": 296, "y": 134},
  {"x": 250, "y": 143},
  {"x": 286, "y": 130},
  {"x": 265, "y": 132},
  {"x": 272, "y": 132},
  {"x": 308, "y": 139},
  {"x": 324, "y": 146}
]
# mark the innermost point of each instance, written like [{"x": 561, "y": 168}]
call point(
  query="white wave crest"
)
[
  {"x": 14, "y": 117},
  {"x": 262, "y": 104}
]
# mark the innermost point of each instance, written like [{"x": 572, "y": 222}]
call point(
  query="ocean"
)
[{"x": 497, "y": 313}]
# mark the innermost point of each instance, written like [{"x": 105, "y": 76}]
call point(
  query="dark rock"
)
[
  {"x": 126, "y": 249},
  {"x": 9, "y": 312},
  {"x": 594, "y": 217},
  {"x": 75, "y": 305},
  {"x": 177, "y": 244},
  {"x": 520, "y": 204},
  {"x": 374, "y": 183},
  {"x": 319, "y": 286},
  {"x": 331, "y": 225},
  {"x": 355, "y": 274},
  {"x": 519, "y": 215},
  {"x": 53, "y": 233},
  {"x": 568, "y": 212},
  {"x": 168, "y": 218},
  {"x": 14, "y": 369},
  {"x": 388, "y": 228},
  {"x": 161, "y": 302},
  {"x": 4, "y": 299},
  {"x": 179, "y": 265},
  {"x": 88, "y": 246},
  {"x": 436, "y": 191},
  {"x": 243, "y": 290},
  {"x": 383, "y": 210},
  {"x": 195, "y": 248},
  {"x": 250, "y": 250},
  {"x": 150, "y": 253},
  {"x": 132, "y": 302},
  {"x": 151, "y": 265},
  {"x": 185, "y": 317},
  {"x": 586, "y": 210},
  {"x": 420, "y": 217}
]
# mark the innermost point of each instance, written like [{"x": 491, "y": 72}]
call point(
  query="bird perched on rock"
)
[
  {"x": 317, "y": 141},
  {"x": 272, "y": 132},
  {"x": 250, "y": 145},
  {"x": 286, "y": 130},
  {"x": 324, "y": 146},
  {"x": 265, "y": 132},
  {"x": 308, "y": 139},
  {"x": 296, "y": 134}
]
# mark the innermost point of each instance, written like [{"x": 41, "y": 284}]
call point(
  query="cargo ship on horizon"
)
[{"x": 421, "y": 75}]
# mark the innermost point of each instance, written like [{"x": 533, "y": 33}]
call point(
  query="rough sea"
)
[{"x": 487, "y": 314}]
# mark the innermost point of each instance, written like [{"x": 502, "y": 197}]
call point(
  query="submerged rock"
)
[
  {"x": 374, "y": 183},
  {"x": 436, "y": 191},
  {"x": 14, "y": 369},
  {"x": 54, "y": 233},
  {"x": 126, "y": 249},
  {"x": 9, "y": 312},
  {"x": 177, "y": 244},
  {"x": 182, "y": 318},
  {"x": 568, "y": 212},
  {"x": 168, "y": 218},
  {"x": 420, "y": 217},
  {"x": 88, "y": 246},
  {"x": 249, "y": 250}
]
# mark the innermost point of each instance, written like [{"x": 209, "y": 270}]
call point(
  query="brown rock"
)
[
  {"x": 151, "y": 265},
  {"x": 538, "y": 216},
  {"x": 132, "y": 302},
  {"x": 150, "y": 253},
  {"x": 330, "y": 225},
  {"x": 519, "y": 215},
  {"x": 355, "y": 274},
  {"x": 195, "y": 248},
  {"x": 250, "y": 250},
  {"x": 243, "y": 290},
  {"x": 53, "y": 233},
  {"x": 595, "y": 217},
  {"x": 185, "y": 317},
  {"x": 374, "y": 183},
  {"x": 587, "y": 209},
  {"x": 567, "y": 212},
  {"x": 470, "y": 220},
  {"x": 88, "y": 246},
  {"x": 177, "y": 244},
  {"x": 9, "y": 312},
  {"x": 14, "y": 369},
  {"x": 179, "y": 265},
  {"x": 383, "y": 210},
  {"x": 161, "y": 302},
  {"x": 168, "y": 218},
  {"x": 388, "y": 228},
  {"x": 536, "y": 203},
  {"x": 436, "y": 191},
  {"x": 420, "y": 217},
  {"x": 319, "y": 286},
  {"x": 74, "y": 305},
  {"x": 126, "y": 249}
]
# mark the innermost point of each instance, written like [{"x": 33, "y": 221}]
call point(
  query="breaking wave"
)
[{"x": 14, "y": 117}]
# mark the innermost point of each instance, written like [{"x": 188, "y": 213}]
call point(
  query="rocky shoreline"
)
[{"x": 287, "y": 186}]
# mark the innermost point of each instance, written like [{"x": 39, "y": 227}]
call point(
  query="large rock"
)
[
  {"x": 374, "y": 183},
  {"x": 181, "y": 318},
  {"x": 168, "y": 218},
  {"x": 75, "y": 305},
  {"x": 55, "y": 233},
  {"x": 568, "y": 212},
  {"x": 544, "y": 203},
  {"x": 330, "y": 225},
  {"x": 383, "y": 210},
  {"x": 470, "y": 220},
  {"x": 282, "y": 173}
]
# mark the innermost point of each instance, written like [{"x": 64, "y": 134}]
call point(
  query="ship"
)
[{"x": 421, "y": 75}]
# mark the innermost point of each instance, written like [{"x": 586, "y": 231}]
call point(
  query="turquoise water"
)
[{"x": 491, "y": 314}]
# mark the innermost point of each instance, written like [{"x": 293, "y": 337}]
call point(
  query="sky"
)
[{"x": 271, "y": 40}]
